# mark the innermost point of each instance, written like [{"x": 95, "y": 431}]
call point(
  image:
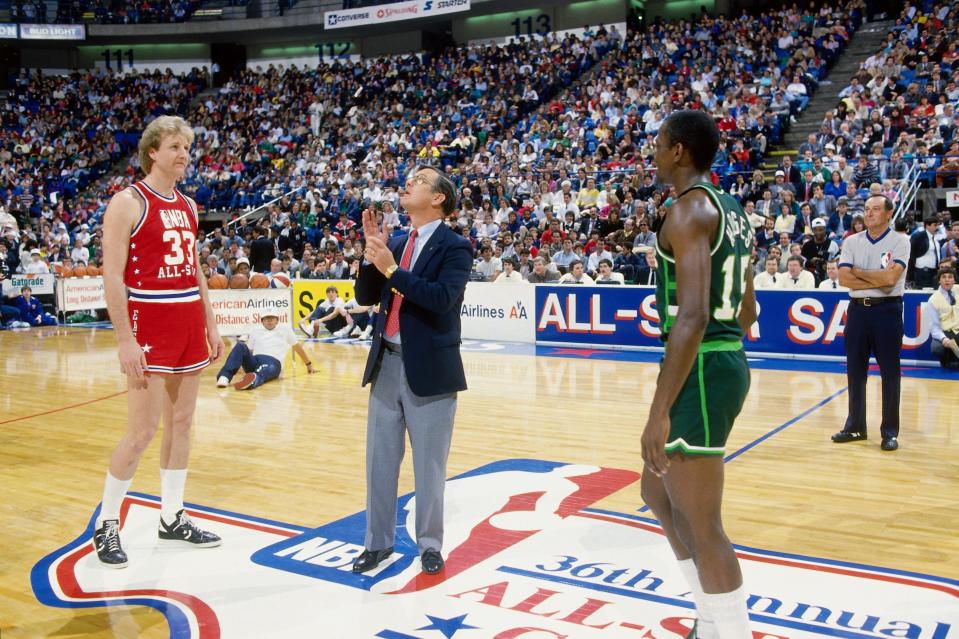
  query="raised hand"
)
[{"x": 370, "y": 228}]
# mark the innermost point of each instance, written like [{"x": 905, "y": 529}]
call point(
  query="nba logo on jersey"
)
[
  {"x": 885, "y": 259},
  {"x": 528, "y": 556}
]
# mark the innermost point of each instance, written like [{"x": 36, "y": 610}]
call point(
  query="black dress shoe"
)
[
  {"x": 370, "y": 559},
  {"x": 432, "y": 562},
  {"x": 889, "y": 443},
  {"x": 844, "y": 436}
]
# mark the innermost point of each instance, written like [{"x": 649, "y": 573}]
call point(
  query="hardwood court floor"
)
[{"x": 293, "y": 451}]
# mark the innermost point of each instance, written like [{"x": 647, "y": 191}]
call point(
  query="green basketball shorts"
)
[{"x": 710, "y": 400}]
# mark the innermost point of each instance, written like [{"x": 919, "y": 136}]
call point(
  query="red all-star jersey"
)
[{"x": 162, "y": 260}]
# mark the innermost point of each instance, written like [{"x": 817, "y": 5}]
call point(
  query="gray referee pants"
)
[{"x": 395, "y": 411}]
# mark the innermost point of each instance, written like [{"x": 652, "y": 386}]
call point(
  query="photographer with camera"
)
[{"x": 818, "y": 250}]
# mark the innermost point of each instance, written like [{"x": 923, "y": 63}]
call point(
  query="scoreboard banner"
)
[
  {"x": 392, "y": 12},
  {"x": 794, "y": 324}
]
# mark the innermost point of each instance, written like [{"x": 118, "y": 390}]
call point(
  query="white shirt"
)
[
  {"x": 831, "y": 285},
  {"x": 931, "y": 257},
  {"x": 616, "y": 278},
  {"x": 592, "y": 264},
  {"x": 570, "y": 279},
  {"x": 275, "y": 343},
  {"x": 764, "y": 280},
  {"x": 79, "y": 255},
  {"x": 804, "y": 281},
  {"x": 509, "y": 277},
  {"x": 32, "y": 268},
  {"x": 423, "y": 235},
  {"x": 327, "y": 306}
]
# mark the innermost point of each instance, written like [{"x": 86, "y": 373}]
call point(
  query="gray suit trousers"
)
[{"x": 393, "y": 411}]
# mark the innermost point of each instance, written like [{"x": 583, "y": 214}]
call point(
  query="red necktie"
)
[{"x": 393, "y": 319}]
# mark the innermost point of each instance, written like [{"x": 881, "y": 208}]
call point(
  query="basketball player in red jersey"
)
[{"x": 165, "y": 328}]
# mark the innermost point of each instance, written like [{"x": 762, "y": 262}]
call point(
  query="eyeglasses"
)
[{"x": 419, "y": 179}]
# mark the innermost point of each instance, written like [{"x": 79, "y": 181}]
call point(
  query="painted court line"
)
[
  {"x": 62, "y": 408},
  {"x": 782, "y": 427}
]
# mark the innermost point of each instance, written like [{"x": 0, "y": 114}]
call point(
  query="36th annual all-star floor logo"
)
[{"x": 527, "y": 557}]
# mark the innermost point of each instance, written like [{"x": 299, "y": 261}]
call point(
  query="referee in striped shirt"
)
[{"x": 873, "y": 266}]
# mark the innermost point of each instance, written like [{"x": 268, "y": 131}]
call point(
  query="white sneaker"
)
[
  {"x": 367, "y": 332},
  {"x": 356, "y": 331},
  {"x": 222, "y": 382},
  {"x": 343, "y": 332},
  {"x": 307, "y": 327}
]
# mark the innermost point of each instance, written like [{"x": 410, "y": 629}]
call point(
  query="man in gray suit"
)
[{"x": 414, "y": 363}]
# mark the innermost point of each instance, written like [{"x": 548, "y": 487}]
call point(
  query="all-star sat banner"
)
[{"x": 392, "y": 12}]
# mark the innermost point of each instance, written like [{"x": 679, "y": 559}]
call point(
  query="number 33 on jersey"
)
[{"x": 162, "y": 252}]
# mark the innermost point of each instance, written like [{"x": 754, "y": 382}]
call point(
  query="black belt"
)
[
  {"x": 393, "y": 348},
  {"x": 875, "y": 301}
]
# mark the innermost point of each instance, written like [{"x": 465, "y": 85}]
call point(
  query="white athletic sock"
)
[
  {"x": 705, "y": 629},
  {"x": 172, "y": 483},
  {"x": 114, "y": 490},
  {"x": 728, "y": 611}
]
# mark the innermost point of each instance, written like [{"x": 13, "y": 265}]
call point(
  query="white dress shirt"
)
[{"x": 423, "y": 235}]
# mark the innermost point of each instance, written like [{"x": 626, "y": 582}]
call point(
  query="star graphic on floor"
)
[
  {"x": 448, "y": 627},
  {"x": 147, "y": 348}
]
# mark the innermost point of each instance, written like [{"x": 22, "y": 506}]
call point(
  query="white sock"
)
[
  {"x": 114, "y": 490},
  {"x": 705, "y": 629},
  {"x": 728, "y": 611},
  {"x": 172, "y": 483}
]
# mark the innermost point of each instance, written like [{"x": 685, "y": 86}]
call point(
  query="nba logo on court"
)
[{"x": 527, "y": 557}]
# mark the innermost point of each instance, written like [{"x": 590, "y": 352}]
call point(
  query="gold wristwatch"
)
[{"x": 391, "y": 270}]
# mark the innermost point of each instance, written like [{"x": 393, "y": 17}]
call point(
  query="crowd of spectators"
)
[
  {"x": 108, "y": 11},
  {"x": 897, "y": 111},
  {"x": 549, "y": 141},
  {"x": 60, "y": 141}
]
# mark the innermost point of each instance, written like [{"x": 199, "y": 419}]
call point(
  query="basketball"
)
[
  {"x": 239, "y": 280},
  {"x": 218, "y": 281},
  {"x": 93, "y": 271},
  {"x": 65, "y": 272},
  {"x": 280, "y": 280},
  {"x": 80, "y": 271},
  {"x": 259, "y": 280}
]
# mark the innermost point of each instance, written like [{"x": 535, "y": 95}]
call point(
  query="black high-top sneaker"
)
[
  {"x": 183, "y": 529},
  {"x": 106, "y": 541}
]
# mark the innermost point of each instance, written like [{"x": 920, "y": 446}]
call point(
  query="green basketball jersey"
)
[{"x": 731, "y": 252}]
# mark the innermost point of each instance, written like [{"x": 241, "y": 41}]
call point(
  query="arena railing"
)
[{"x": 264, "y": 206}]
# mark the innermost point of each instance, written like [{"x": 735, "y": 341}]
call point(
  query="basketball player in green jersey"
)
[{"x": 705, "y": 301}]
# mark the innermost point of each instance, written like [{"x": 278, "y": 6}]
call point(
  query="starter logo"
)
[{"x": 528, "y": 555}]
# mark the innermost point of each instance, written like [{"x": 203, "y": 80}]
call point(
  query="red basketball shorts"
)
[{"x": 171, "y": 334}]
